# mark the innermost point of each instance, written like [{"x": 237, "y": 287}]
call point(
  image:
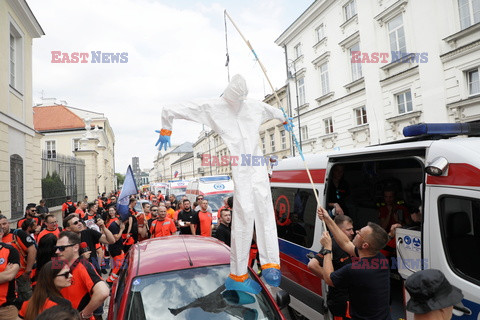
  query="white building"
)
[
  {"x": 413, "y": 61},
  {"x": 83, "y": 134},
  {"x": 20, "y": 163},
  {"x": 163, "y": 170}
]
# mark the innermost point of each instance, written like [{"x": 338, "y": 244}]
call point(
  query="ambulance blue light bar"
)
[
  {"x": 215, "y": 178},
  {"x": 441, "y": 129}
]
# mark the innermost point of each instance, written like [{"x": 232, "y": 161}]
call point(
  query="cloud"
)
[{"x": 176, "y": 52}]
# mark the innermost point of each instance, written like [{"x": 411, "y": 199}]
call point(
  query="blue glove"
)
[
  {"x": 288, "y": 125},
  {"x": 164, "y": 139}
]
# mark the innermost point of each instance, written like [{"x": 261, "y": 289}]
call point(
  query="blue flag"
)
[{"x": 129, "y": 188}]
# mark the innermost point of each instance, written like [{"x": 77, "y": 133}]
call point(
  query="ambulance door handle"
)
[{"x": 461, "y": 310}]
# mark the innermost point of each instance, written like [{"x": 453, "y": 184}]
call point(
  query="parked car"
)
[{"x": 182, "y": 277}]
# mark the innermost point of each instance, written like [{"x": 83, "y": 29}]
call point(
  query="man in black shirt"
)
[
  {"x": 185, "y": 218},
  {"x": 367, "y": 278},
  {"x": 336, "y": 297},
  {"x": 89, "y": 236},
  {"x": 223, "y": 230}
]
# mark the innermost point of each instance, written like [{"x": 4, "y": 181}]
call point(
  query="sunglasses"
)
[
  {"x": 66, "y": 275},
  {"x": 33, "y": 210},
  {"x": 76, "y": 222},
  {"x": 62, "y": 248}
]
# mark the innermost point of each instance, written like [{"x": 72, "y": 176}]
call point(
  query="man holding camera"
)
[{"x": 89, "y": 236}]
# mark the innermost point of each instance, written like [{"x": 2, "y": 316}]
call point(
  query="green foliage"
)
[
  {"x": 120, "y": 178},
  {"x": 53, "y": 189}
]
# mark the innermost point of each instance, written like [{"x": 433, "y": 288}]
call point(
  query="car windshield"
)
[
  {"x": 215, "y": 201},
  {"x": 177, "y": 191},
  {"x": 197, "y": 293}
]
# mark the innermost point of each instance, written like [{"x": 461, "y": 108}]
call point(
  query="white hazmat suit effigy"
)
[{"x": 237, "y": 121}]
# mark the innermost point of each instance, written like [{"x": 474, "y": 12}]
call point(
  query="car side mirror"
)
[{"x": 282, "y": 298}]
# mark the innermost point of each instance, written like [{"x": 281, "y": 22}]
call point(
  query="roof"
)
[
  {"x": 56, "y": 118},
  {"x": 172, "y": 251},
  {"x": 185, "y": 157},
  {"x": 183, "y": 148}
]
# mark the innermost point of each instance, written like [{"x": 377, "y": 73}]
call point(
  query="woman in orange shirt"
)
[{"x": 53, "y": 277}]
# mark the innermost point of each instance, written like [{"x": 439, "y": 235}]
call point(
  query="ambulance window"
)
[
  {"x": 295, "y": 213},
  {"x": 460, "y": 224}
]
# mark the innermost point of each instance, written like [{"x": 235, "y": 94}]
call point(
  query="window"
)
[
  {"x": 396, "y": 34},
  {"x": 16, "y": 186},
  {"x": 298, "y": 50},
  {"x": 51, "y": 149},
  {"x": 320, "y": 32},
  {"x": 304, "y": 132},
  {"x": 301, "y": 91},
  {"x": 469, "y": 12},
  {"x": 295, "y": 214},
  {"x": 76, "y": 144},
  {"x": 15, "y": 58},
  {"x": 324, "y": 78},
  {"x": 460, "y": 225},
  {"x": 404, "y": 102},
  {"x": 361, "y": 115},
  {"x": 328, "y": 125},
  {"x": 272, "y": 142},
  {"x": 350, "y": 10},
  {"x": 12, "y": 60},
  {"x": 473, "y": 82},
  {"x": 284, "y": 139},
  {"x": 263, "y": 145},
  {"x": 356, "y": 67}
]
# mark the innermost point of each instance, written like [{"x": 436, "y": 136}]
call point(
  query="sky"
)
[{"x": 176, "y": 51}]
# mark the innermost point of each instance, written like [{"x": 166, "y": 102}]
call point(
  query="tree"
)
[
  {"x": 120, "y": 178},
  {"x": 53, "y": 189}
]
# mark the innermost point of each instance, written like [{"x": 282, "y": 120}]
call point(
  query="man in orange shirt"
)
[
  {"x": 8, "y": 269},
  {"x": 202, "y": 221},
  {"x": 87, "y": 292},
  {"x": 170, "y": 211},
  {"x": 52, "y": 227},
  {"x": 82, "y": 210},
  {"x": 162, "y": 226},
  {"x": 146, "y": 210},
  {"x": 25, "y": 245}
]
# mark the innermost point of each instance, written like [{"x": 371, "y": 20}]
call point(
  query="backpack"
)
[{"x": 70, "y": 207}]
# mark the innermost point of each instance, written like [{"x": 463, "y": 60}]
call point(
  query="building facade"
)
[
  {"x": 20, "y": 164},
  {"x": 83, "y": 134},
  {"x": 162, "y": 166},
  {"x": 360, "y": 71}
]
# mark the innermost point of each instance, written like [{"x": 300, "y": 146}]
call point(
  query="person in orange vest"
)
[
  {"x": 30, "y": 213},
  {"x": 160, "y": 196},
  {"x": 162, "y": 225},
  {"x": 170, "y": 210},
  {"x": 25, "y": 245},
  {"x": 82, "y": 209},
  {"x": 8, "y": 269},
  {"x": 130, "y": 234}
]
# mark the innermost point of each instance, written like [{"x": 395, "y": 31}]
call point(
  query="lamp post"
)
[{"x": 291, "y": 64}]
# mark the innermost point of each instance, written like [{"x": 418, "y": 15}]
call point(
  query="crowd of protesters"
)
[{"x": 45, "y": 267}]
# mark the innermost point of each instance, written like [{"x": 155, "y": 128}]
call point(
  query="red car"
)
[{"x": 182, "y": 277}]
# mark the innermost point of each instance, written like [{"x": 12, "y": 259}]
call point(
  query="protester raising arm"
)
[{"x": 337, "y": 233}]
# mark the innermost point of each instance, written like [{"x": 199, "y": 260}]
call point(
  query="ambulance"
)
[
  {"x": 159, "y": 186},
  {"x": 436, "y": 168},
  {"x": 213, "y": 188},
  {"x": 177, "y": 187}
]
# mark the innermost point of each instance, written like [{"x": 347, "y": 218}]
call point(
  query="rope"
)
[{"x": 226, "y": 46}]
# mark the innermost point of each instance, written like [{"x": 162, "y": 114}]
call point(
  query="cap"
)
[{"x": 430, "y": 290}]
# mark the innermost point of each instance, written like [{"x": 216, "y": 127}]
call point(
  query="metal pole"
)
[{"x": 298, "y": 106}]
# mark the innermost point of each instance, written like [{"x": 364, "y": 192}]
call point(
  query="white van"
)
[
  {"x": 438, "y": 172},
  {"x": 213, "y": 188}
]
